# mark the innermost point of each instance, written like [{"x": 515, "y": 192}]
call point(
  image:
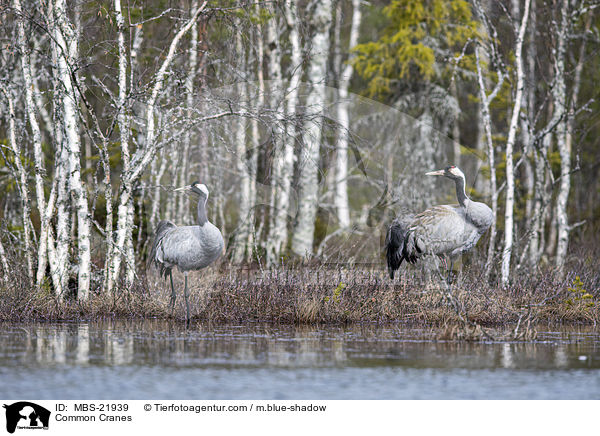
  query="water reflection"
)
[
  {"x": 157, "y": 343},
  {"x": 156, "y": 359}
]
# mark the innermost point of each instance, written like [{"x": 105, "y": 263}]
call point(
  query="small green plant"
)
[
  {"x": 337, "y": 293},
  {"x": 580, "y": 295}
]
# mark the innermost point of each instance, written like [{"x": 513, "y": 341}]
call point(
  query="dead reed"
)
[{"x": 333, "y": 294}]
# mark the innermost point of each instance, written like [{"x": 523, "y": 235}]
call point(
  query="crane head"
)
[
  {"x": 195, "y": 187},
  {"x": 451, "y": 171}
]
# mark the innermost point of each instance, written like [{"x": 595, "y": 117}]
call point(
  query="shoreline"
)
[{"x": 301, "y": 297}]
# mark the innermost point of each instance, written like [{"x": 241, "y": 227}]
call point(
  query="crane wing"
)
[{"x": 439, "y": 229}]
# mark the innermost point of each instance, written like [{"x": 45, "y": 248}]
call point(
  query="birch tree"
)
[
  {"x": 275, "y": 78},
  {"x": 563, "y": 135},
  {"x": 183, "y": 203},
  {"x": 283, "y": 161},
  {"x": 245, "y": 151},
  {"x": 58, "y": 240},
  {"x": 510, "y": 143},
  {"x": 39, "y": 167},
  {"x": 66, "y": 42},
  {"x": 143, "y": 155},
  {"x": 487, "y": 124},
  {"x": 21, "y": 174},
  {"x": 490, "y": 52},
  {"x": 4, "y": 262},
  {"x": 302, "y": 240},
  {"x": 341, "y": 161}
]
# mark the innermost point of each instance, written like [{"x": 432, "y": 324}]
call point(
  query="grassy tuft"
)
[{"x": 332, "y": 295}]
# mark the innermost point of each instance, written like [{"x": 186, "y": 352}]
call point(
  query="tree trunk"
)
[
  {"x": 58, "y": 252},
  {"x": 4, "y": 262},
  {"x": 302, "y": 240},
  {"x": 183, "y": 204},
  {"x": 341, "y": 161},
  {"x": 539, "y": 203},
  {"x": 527, "y": 127},
  {"x": 66, "y": 39},
  {"x": 40, "y": 170},
  {"x": 565, "y": 144},
  {"x": 275, "y": 79},
  {"x": 284, "y": 161},
  {"x": 487, "y": 128},
  {"x": 512, "y": 133},
  {"x": 242, "y": 248},
  {"x": 22, "y": 177}
]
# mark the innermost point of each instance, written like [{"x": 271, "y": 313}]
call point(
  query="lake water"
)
[{"x": 162, "y": 360}]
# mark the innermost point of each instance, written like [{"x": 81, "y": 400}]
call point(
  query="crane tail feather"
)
[
  {"x": 155, "y": 258},
  {"x": 395, "y": 246}
]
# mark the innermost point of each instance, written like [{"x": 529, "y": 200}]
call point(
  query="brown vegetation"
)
[{"x": 334, "y": 295}]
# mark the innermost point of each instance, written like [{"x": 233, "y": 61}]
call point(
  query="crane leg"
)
[
  {"x": 448, "y": 296},
  {"x": 187, "y": 301},
  {"x": 173, "y": 294},
  {"x": 450, "y": 272}
]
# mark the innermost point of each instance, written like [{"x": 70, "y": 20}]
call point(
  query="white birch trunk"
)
[
  {"x": 275, "y": 76},
  {"x": 182, "y": 206},
  {"x": 302, "y": 240},
  {"x": 157, "y": 182},
  {"x": 531, "y": 71},
  {"x": 66, "y": 39},
  {"x": 40, "y": 170},
  {"x": 22, "y": 175},
  {"x": 242, "y": 165},
  {"x": 341, "y": 161},
  {"x": 58, "y": 252},
  {"x": 58, "y": 241},
  {"x": 278, "y": 231},
  {"x": 4, "y": 261},
  {"x": 539, "y": 204},
  {"x": 487, "y": 127},
  {"x": 247, "y": 165},
  {"x": 123, "y": 122},
  {"x": 241, "y": 239},
  {"x": 183, "y": 203},
  {"x": 130, "y": 270},
  {"x": 550, "y": 247},
  {"x": 37, "y": 95},
  {"x": 512, "y": 133},
  {"x": 564, "y": 135}
]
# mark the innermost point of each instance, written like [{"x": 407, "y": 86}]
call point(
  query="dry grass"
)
[{"x": 333, "y": 295}]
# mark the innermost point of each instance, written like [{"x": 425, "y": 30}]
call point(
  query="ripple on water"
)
[{"x": 141, "y": 359}]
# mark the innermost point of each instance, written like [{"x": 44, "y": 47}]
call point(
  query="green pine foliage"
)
[{"x": 418, "y": 43}]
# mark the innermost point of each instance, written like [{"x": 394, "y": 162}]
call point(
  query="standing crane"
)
[
  {"x": 447, "y": 230},
  {"x": 186, "y": 247}
]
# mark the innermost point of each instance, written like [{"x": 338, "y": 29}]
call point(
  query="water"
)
[{"x": 161, "y": 360}]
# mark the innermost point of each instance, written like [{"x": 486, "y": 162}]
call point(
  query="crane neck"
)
[
  {"x": 461, "y": 195},
  {"x": 202, "y": 219}
]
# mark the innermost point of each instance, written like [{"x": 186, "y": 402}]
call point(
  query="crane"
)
[
  {"x": 186, "y": 247},
  {"x": 445, "y": 230}
]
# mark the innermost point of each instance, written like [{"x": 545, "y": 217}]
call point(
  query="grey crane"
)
[
  {"x": 186, "y": 247},
  {"x": 446, "y": 230}
]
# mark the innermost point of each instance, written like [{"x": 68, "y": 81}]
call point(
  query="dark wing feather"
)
[{"x": 398, "y": 246}]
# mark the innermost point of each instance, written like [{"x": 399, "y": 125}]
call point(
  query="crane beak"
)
[
  {"x": 435, "y": 173},
  {"x": 182, "y": 189}
]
